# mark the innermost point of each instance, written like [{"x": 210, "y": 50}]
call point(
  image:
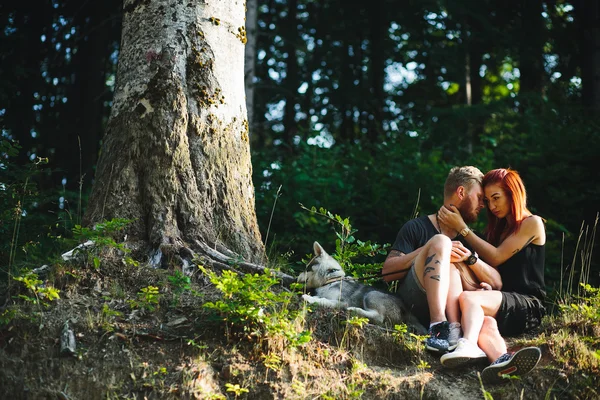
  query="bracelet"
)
[{"x": 465, "y": 232}]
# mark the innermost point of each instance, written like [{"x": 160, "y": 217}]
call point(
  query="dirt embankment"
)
[{"x": 180, "y": 350}]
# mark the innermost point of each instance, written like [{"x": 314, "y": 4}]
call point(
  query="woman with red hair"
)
[{"x": 515, "y": 246}]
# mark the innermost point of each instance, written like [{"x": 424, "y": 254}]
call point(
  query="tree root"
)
[
  {"x": 219, "y": 257},
  {"x": 225, "y": 261}
]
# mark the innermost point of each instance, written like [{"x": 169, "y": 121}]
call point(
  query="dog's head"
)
[{"x": 321, "y": 269}]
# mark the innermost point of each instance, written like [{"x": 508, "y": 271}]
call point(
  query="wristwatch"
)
[
  {"x": 472, "y": 259},
  {"x": 465, "y": 232}
]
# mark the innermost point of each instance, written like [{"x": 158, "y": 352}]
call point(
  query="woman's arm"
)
[{"x": 531, "y": 231}]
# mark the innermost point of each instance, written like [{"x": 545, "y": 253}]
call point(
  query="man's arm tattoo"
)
[
  {"x": 435, "y": 277},
  {"x": 394, "y": 253}
]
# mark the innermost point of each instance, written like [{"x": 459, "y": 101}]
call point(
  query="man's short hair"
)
[{"x": 465, "y": 176}]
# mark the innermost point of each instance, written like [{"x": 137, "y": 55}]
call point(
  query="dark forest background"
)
[{"x": 357, "y": 107}]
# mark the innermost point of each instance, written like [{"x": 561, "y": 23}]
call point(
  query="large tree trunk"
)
[{"x": 176, "y": 156}]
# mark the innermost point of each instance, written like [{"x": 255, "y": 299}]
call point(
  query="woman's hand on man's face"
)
[{"x": 451, "y": 217}]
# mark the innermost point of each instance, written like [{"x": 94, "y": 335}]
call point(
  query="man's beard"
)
[{"x": 467, "y": 211}]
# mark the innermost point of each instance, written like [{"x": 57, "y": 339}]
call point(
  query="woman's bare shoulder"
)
[
  {"x": 534, "y": 224},
  {"x": 534, "y": 220}
]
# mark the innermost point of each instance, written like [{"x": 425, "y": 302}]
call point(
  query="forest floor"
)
[{"x": 134, "y": 342}]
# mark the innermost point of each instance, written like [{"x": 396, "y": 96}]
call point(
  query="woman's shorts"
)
[{"x": 519, "y": 313}]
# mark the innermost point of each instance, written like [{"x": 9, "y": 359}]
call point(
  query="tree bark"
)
[{"x": 176, "y": 157}]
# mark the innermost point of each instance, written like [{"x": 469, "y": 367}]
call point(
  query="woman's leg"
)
[
  {"x": 454, "y": 291},
  {"x": 475, "y": 305},
  {"x": 477, "y": 308},
  {"x": 490, "y": 340}
]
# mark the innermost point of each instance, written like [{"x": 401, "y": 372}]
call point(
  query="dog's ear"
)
[{"x": 318, "y": 250}]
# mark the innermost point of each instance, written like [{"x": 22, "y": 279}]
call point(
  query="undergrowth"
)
[{"x": 295, "y": 352}]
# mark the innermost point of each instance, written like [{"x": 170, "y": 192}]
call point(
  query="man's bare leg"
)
[{"x": 432, "y": 267}]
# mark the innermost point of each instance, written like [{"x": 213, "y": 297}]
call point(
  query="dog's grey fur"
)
[{"x": 341, "y": 292}]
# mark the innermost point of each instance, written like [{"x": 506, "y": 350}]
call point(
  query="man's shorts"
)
[
  {"x": 519, "y": 313},
  {"x": 413, "y": 295}
]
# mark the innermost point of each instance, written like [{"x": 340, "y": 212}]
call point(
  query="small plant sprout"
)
[
  {"x": 147, "y": 299},
  {"x": 180, "y": 283},
  {"x": 423, "y": 365},
  {"x": 298, "y": 387},
  {"x": 356, "y": 321},
  {"x": 272, "y": 362},
  {"x": 198, "y": 346},
  {"x": 236, "y": 389},
  {"x": 400, "y": 332},
  {"x": 36, "y": 287}
]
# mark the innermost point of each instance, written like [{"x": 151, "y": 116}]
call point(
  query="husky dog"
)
[{"x": 331, "y": 289}]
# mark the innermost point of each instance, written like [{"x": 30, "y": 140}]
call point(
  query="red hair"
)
[{"x": 512, "y": 184}]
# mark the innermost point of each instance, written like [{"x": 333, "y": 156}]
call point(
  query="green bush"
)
[{"x": 251, "y": 305}]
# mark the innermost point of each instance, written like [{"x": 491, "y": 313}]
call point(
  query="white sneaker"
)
[
  {"x": 455, "y": 334},
  {"x": 465, "y": 352}
]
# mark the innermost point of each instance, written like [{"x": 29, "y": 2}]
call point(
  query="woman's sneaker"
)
[
  {"x": 438, "y": 337},
  {"x": 455, "y": 334},
  {"x": 465, "y": 352},
  {"x": 518, "y": 363}
]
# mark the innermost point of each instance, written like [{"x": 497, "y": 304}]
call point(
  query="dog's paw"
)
[
  {"x": 308, "y": 298},
  {"x": 357, "y": 310}
]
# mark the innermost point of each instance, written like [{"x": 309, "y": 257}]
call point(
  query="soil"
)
[{"x": 182, "y": 350}]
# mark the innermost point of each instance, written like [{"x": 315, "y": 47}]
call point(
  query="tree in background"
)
[
  {"x": 176, "y": 157},
  {"x": 250, "y": 58}
]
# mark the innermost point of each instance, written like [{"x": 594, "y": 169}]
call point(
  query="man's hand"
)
[{"x": 459, "y": 252}]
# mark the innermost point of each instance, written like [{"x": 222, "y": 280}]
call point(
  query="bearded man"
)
[{"x": 435, "y": 264}]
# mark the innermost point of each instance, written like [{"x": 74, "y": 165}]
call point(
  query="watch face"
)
[{"x": 471, "y": 260}]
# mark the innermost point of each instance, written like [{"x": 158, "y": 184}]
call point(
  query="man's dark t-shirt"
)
[
  {"x": 413, "y": 235},
  {"x": 416, "y": 233}
]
